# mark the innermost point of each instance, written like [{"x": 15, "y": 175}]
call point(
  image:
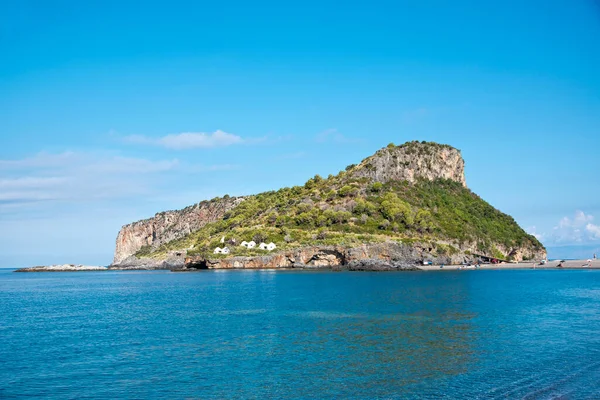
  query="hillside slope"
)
[{"x": 414, "y": 194}]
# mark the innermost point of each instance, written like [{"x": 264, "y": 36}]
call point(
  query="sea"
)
[{"x": 511, "y": 334}]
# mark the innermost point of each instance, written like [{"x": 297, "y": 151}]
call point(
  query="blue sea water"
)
[{"x": 295, "y": 335}]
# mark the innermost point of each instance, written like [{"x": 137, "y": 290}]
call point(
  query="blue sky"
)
[{"x": 112, "y": 111}]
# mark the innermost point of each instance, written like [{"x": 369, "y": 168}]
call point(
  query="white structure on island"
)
[
  {"x": 269, "y": 247},
  {"x": 263, "y": 246},
  {"x": 223, "y": 239},
  {"x": 223, "y": 250}
]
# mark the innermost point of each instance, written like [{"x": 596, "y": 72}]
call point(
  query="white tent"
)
[
  {"x": 244, "y": 243},
  {"x": 262, "y": 246},
  {"x": 271, "y": 246},
  {"x": 251, "y": 244},
  {"x": 218, "y": 250},
  {"x": 225, "y": 250}
]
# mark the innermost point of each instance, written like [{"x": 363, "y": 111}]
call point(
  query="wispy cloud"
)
[
  {"x": 76, "y": 176},
  {"x": 189, "y": 140},
  {"x": 332, "y": 135}
]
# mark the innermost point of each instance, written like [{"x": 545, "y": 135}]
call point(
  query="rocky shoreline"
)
[
  {"x": 62, "y": 268},
  {"x": 266, "y": 263},
  {"x": 387, "y": 256}
]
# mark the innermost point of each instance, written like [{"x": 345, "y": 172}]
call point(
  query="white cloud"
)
[
  {"x": 189, "y": 140},
  {"x": 576, "y": 229},
  {"x": 131, "y": 165},
  {"x": 30, "y": 182},
  {"x": 76, "y": 176},
  {"x": 593, "y": 230},
  {"x": 41, "y": 160}
]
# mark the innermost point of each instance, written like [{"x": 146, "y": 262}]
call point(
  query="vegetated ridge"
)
[{"x": 403, "y": 204}]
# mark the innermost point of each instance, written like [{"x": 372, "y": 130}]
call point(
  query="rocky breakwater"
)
[
  {"x": 62, "y": 268},
  {"x": 169, "y": 225},
  {"x": 389, "y": 256},
  {"x": 412, "y": 161}
]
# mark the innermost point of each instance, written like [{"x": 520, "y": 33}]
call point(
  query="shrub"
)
[
  {"x": 259, "y": 237},
  {"x": 347, "y": 190},
  {"x": 376, "y": 187},
  {"x": 384, "y": 224}
]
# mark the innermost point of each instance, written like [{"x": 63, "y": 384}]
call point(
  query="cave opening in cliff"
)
[{"x": 198, "y": 265}]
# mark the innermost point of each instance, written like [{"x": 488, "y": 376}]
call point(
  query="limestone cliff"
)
[
  {"x": 170, "y": 225},
  {"x": 411, "y": 161}
]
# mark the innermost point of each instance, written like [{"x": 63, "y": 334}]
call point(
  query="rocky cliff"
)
[
  {"x": 411, "y": 161},
  {"x": 379, "y": 256},
  {"x": 167, "y": 226}
]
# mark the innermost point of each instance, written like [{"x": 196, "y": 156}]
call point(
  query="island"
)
[{"x": 403, "y": 207}]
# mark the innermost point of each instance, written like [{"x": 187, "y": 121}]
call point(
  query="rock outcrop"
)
[
  {"x": 62, "y": 268},
  {"x": 170, "y": 225},
  {"x": 372, "y": 257},
  {"x": 411, "y": 161}
]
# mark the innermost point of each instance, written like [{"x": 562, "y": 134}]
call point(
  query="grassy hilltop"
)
[{"x": 350, "y": 209}]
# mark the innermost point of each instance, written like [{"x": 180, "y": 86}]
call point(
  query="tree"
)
[
  {"x": 347, "y": 190},
  {"x": 396, "y": 209},
  {"x": 423, "y": 220}
]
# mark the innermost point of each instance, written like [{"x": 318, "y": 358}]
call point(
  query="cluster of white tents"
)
[
  {"x": 224, "y": 250},
  {"x": 263, "y": 246},
  {"x": 249, "y": 245}
]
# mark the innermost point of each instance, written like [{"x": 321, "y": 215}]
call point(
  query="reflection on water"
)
[{"x": 257, "y": 334}]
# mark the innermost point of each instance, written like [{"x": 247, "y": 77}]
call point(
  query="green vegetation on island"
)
[{"x": 346, "y": 210}]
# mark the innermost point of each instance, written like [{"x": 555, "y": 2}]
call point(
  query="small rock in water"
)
[{"x": 62, "y": 268}]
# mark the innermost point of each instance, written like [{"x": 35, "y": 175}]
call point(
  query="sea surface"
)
[{"x": 296, "y": 335}]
